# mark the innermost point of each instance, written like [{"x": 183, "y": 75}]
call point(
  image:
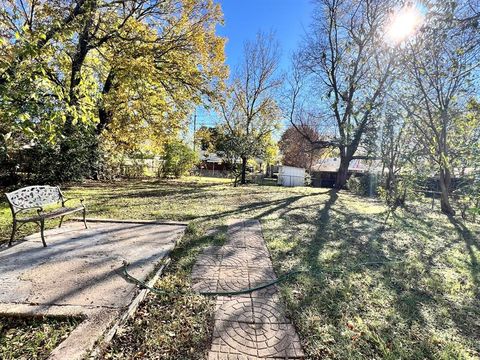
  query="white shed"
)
[{"x": 291, "y": 176}]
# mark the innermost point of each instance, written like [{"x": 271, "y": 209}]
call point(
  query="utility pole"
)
[{"x": 194, "y": 128}]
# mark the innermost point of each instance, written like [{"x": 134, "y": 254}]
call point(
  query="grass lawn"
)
[
  {"x": 32, "y": 338},
  {"x": 423, "y": 305}
]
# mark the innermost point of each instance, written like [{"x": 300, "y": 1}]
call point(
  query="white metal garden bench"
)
[{"x": 36, "y": 197}]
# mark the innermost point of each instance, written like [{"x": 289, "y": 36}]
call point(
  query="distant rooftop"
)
[{"x": 357, "y": 165}]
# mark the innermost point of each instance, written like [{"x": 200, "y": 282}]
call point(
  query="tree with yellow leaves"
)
[{"x": 126, "y": 73}]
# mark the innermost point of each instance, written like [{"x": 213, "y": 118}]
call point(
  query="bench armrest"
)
[{"x": 81, "y": 201}]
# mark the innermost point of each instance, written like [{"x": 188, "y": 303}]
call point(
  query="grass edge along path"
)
[{"x": 174, "y": 326}]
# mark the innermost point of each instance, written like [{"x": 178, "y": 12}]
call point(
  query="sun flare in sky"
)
[{"x": 404, "y": 23}]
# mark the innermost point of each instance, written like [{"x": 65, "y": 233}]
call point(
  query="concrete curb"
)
[
  {"x": 102, "y": 298},
  {"x": 83, "y": 337},
  {"x": 109, "y": 335},
  {"x": 132, "y": 221}
]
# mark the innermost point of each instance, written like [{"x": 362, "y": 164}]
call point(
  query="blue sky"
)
[
  {"x": 288, "y": 19},
  {"x": 244, "y": 18}
]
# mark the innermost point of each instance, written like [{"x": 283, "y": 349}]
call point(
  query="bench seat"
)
[{"x": 51, "y": 214}]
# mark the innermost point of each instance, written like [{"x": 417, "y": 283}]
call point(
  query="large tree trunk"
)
[
  {"x": 445, "y": 180},
  {"x": 445, "y": 177},
  {"x": 244, "y": 171},
  {"x": 78, "y": 59},
  {"x": 342, "y": 173},
  {"x": 390, "y": 186},
  {"x": 104, "y": 115},
  {"x": 75, "y": 78},
  {"x": 68, "y": 145}
]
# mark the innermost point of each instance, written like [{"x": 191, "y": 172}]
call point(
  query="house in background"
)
[
  {"x": 212, "y": 164},
  {"x": 324, "y": 172}
]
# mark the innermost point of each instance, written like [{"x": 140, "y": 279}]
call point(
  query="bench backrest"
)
[{"x": 34, "y": 196}]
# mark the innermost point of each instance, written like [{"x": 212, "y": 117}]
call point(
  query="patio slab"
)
[{"x": 80, "y": 273}]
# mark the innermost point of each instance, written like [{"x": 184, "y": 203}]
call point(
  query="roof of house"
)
[
  {"x": 356, "y": 165},
  {"x": 210, "y": 157}
]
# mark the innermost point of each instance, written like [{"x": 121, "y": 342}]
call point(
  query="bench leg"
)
[
  {"x": 14, "y": 230},
  {"x": 42, "y": 228},
  {"x": 85, "y": 218},
  {"x": 61, "y": 221}
]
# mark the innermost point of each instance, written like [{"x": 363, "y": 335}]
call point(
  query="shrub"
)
[
  {"x": 363, "y": 185},
  {"x": 178, "y": 160},
  {"x": 71, "y": 160},
  {"x": 8, "y": 167}
]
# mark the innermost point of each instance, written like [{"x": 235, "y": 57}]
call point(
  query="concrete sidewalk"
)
[{"x": 251, "y": 326}]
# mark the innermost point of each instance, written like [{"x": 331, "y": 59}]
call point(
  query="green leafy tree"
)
[
  {"x": 208, "y": 138},
  {"x": 75, "y": 74},
  {"x": 179, "y": 159}
]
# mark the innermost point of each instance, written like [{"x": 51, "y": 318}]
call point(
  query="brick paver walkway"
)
[{"x": 250, "y": 326}]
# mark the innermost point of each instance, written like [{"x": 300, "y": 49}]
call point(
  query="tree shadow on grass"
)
[
  {"x": 402, "y": 287},
  {"x": 156, "y": 189},
  {"x": 467, "y": 314},
  {"x": 185, "y": 252},
  {"x": 472, "y": 245},
  {"x": 259, "y": 209}
]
